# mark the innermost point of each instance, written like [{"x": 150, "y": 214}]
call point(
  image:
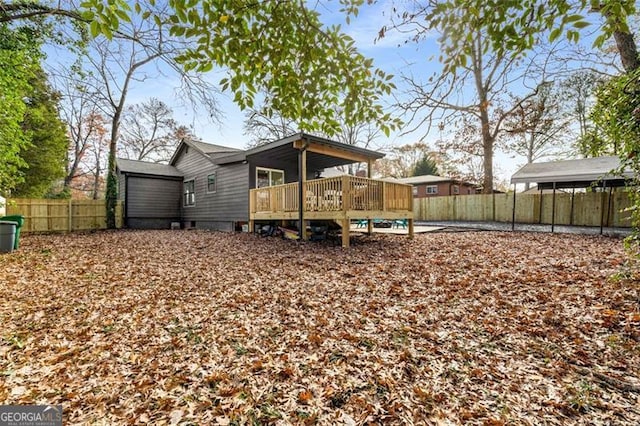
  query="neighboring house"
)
[
  {"x": 434, "y": 186},
  {"x": 215, "y": 187}
]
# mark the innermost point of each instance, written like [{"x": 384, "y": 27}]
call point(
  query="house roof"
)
[
  {"x": 146, "y": 168},
  {"x": 428, "y": 179},
  {"x": 417, "y": 180},
  {"x": 208, "y": 150},
  {"x": 585, "y": 170},
  {"x": 320, "y": 155}
]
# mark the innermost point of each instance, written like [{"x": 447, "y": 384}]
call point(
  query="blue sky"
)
[
  {"x": 363, "y": 29},
  {"x": 391, "y": 54}
]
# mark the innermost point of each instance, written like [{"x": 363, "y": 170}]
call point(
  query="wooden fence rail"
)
[
  {"x": 42, "y": 215},
  {"x": 580, "y": 209}
]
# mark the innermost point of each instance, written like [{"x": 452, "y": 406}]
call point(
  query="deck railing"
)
[{"x": 340, "y": 193}]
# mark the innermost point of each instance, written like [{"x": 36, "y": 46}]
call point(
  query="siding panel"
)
[
  {"x": 153, "y": 198},
  {"x": 230, "y": 203}
]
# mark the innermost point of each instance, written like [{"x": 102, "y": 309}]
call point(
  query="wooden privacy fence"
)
[
  {"x": 62, "y": 215},
  {"x": 579, "y": 209}
]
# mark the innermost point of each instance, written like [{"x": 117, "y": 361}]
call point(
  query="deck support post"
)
[
  {"x": 302, "y": 196},
  {"x": 346, "y": 223},
  {"x": 369, "y": 173},
  {"x": 411, "y": 232},
  {"x": 604, "y": 194}
]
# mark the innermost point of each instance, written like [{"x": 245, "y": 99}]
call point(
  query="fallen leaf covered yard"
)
[{"x": 236, "y": 329}]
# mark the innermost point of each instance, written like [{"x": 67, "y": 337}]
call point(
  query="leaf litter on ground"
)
[{"x": 197, "y": 327}]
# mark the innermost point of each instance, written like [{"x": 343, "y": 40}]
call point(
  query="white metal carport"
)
[{"x": 598, "y": 172}]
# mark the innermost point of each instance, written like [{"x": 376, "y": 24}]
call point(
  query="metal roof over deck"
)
[{"x": 322, "y": 153}]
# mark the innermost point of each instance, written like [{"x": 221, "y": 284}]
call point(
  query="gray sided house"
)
[
  {"x": 213, "y": 196},
  {"x": 215, "y": 187},
  {"x": 191, "y": 189},
  {"x": 205, "y": 185}
]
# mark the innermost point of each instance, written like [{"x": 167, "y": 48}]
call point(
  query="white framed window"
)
[
  {"x": 414, "y": 190},
  {"x": 268, "y": 177},
  {"x": 189, "y": 193},
  {"x": 456, "y": 189},
  {"x": 432, "y": 189},
  {"x": 212, "y": 183}
]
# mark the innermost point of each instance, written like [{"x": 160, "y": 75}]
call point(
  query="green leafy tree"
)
[
  {"x": 616, "y": 129},
  {"x": 264, "y": 46},
  {"x": 515, "y": 27},
  {"x": 46, "y": 152},
  {"x": 281, "y": 48},
  {"x": 19, "y": 63},
  {"x": 615, "y": 124},
  {"x": 403, "y": 160},
  {"x": 426, "y": 166}
]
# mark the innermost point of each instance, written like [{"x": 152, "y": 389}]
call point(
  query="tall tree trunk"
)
[
  {"x": 487, "y": 150},
  {"x": 487, "y": 180},
  {"x": 96, "y": 180},
  {"x": 628, "y": 50},
  {"x": 527, "y": 185},
  {"x": 112, "y": 181},
  {"x": 111, "y": 193}
]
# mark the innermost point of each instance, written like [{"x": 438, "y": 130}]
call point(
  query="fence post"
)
[
  {"x": 493, "y": 206},
  {"x": 70, "y": 216}
]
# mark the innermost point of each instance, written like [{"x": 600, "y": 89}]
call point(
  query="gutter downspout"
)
[{"x": 126, "y": 201}]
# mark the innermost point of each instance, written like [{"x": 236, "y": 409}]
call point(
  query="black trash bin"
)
[
  {"x": 19, "y": 220},
  {"x": 7, "y": 236}
]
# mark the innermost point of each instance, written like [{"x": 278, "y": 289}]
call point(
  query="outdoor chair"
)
[
  {"x": 362, "y": 223},
  {"x": 400, "y": 223}
]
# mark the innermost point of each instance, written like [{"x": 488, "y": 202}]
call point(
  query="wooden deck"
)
[{"x": 340, "y": 199}]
